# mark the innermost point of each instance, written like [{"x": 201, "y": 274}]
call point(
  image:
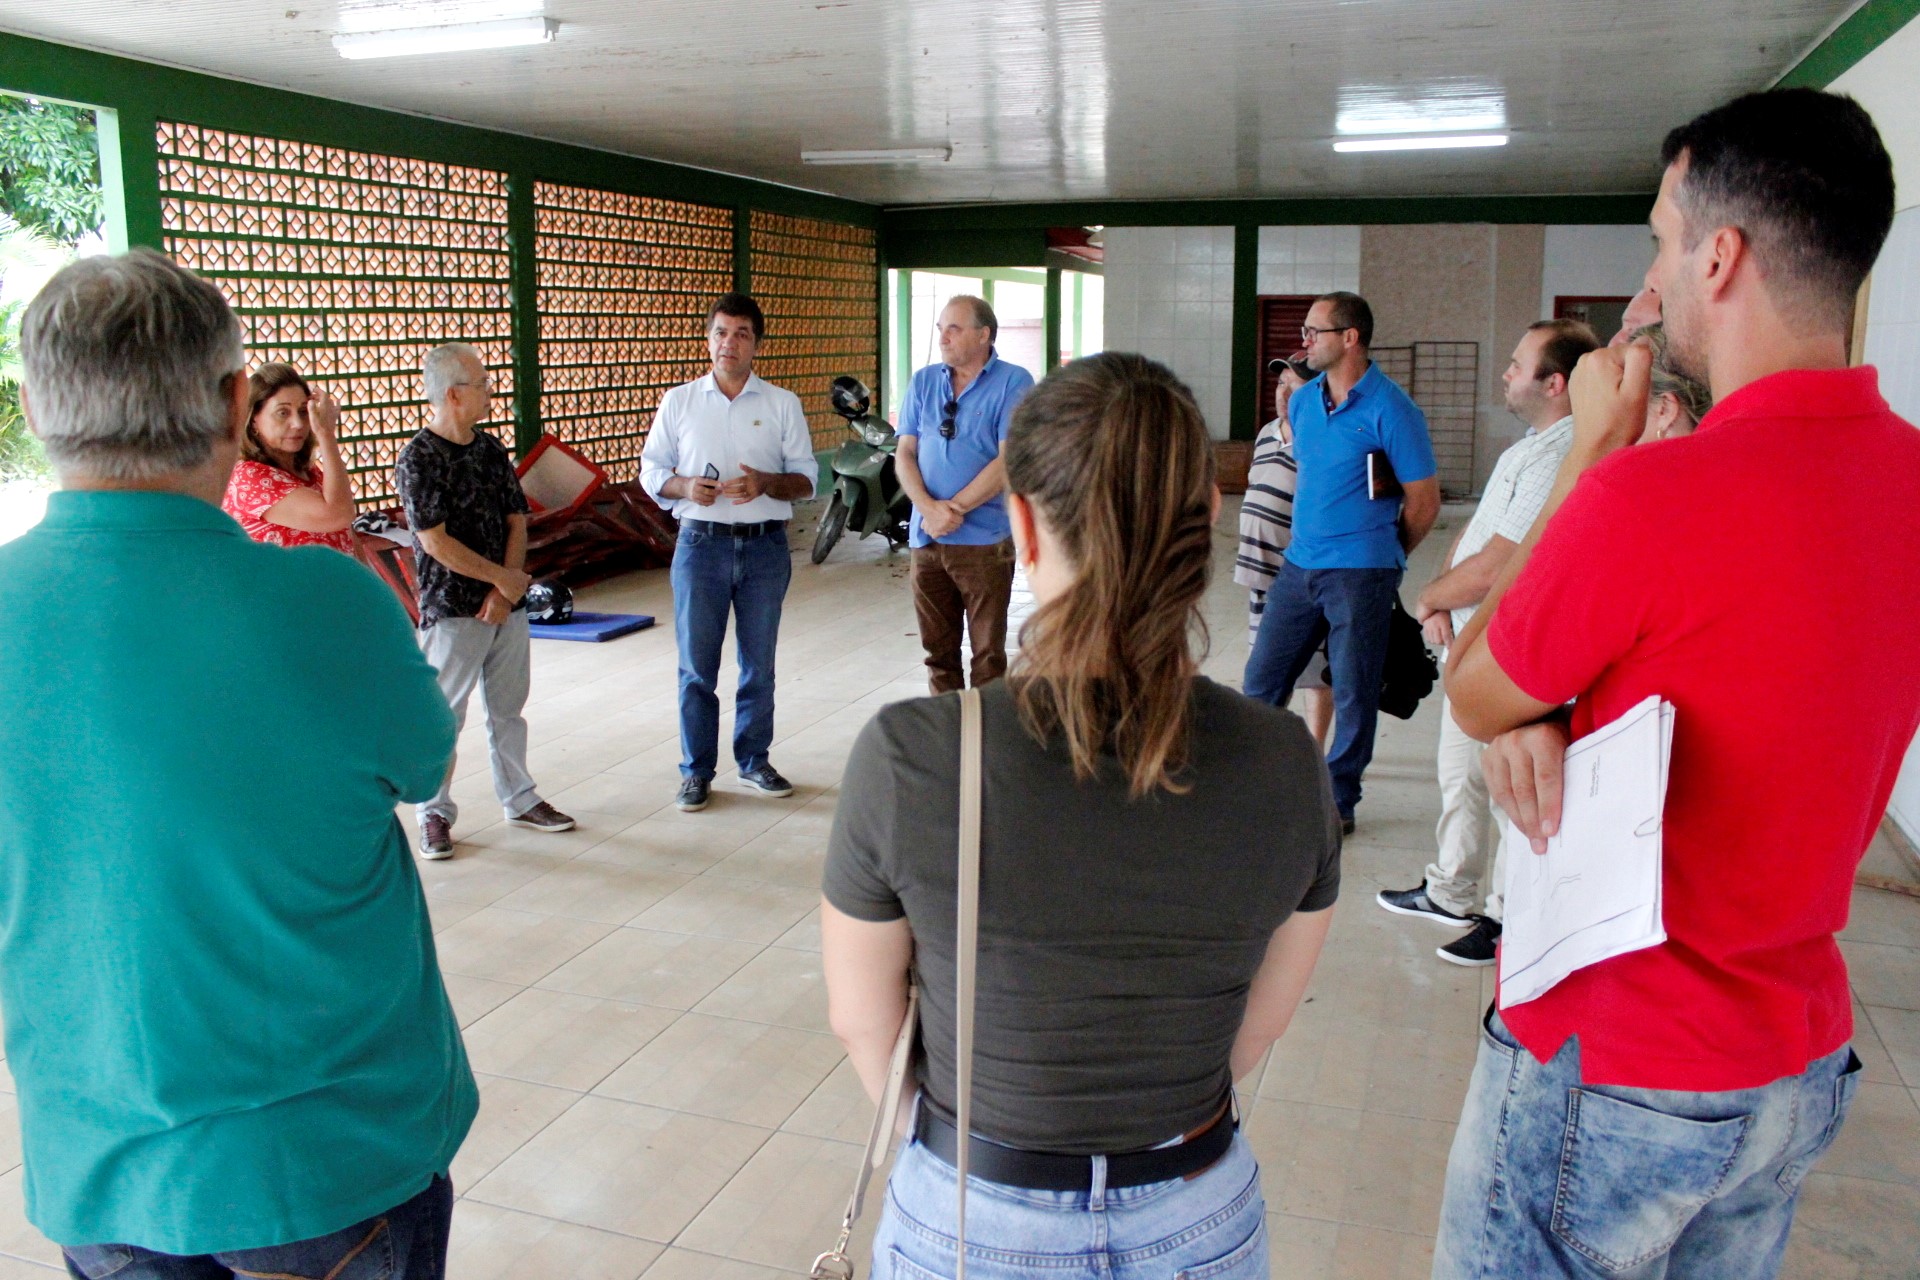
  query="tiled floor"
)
[{"x": 642, "y": 997}]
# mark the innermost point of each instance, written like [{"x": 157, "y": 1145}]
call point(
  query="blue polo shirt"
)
[
  {"x": 1335, "y": 524},
  {"x": 223, "y": 1012},
  {"x": 979, "y": 429}
]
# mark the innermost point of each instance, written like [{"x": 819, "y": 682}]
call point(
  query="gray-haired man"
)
[
  {"x": 233, "y": 1050},
  {"x": 469, "y": 518}
]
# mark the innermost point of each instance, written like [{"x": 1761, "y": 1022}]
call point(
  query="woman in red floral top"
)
[{"x": 277, "y": 493}]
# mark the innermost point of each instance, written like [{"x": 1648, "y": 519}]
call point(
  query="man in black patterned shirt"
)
[{"x": 469, "y": 522}]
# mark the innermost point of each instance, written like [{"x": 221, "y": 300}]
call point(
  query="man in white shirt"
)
[
  {"x": 729, "y": 455},
  {"x": 1536, "y": 383}
]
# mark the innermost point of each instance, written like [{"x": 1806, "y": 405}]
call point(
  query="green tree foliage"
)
[
  {"x": 50, "y": 167},
  {"x": 28, "y": 259}
]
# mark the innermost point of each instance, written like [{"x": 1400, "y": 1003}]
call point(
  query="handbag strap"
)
[
  {"x": 966, "y": 946},
  {"x": 835, "y": 1264}
]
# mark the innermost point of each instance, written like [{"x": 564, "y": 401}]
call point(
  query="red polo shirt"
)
[{"x": 1763, "y": 575}]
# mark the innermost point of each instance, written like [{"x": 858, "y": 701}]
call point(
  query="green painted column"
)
[
  {"x": 743, "y": 250},
  {"x": 1052, "y": 325},
  {"x": 1079, "y": 314},
  {"x": 524, "y": 272},
  {"x": 137, "y": 162},
  {"x": 902, "y": 339},
  {"x": 1246, "y": 333}
]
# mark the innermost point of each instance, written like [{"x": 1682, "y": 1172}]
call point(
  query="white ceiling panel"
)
[{"x": 1039, "y": 99}]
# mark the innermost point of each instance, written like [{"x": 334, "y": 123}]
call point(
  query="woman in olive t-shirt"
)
[{"x": 1159, "y": 860}]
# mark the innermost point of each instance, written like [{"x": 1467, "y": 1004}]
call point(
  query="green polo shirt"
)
[{"x": 223, "y": 1011}]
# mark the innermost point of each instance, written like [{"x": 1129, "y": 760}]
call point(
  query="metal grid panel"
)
[
  {"x": 818, "y": 283},
  {"x": 350, "y": 267},
  {"x": 625, "y": 283},
  {"x": 1444, "y": 380}
]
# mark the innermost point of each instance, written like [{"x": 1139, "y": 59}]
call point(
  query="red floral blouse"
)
[{"x": 252, "y": 492}]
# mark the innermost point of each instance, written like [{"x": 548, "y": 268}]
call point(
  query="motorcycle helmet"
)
[
  {"x": 549, "y": 601},
  {"x": 850, "y": 397}
]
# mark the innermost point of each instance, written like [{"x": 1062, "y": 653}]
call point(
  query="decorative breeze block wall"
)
[{"x": 816, "y": 282}]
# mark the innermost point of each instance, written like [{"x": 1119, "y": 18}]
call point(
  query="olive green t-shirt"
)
[
  {"x": 1118, "y": 937},
  {"x": 223, "y": 1012}
]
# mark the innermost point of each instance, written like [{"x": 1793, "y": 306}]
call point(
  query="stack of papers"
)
[{"x": 1595, "y": 892}]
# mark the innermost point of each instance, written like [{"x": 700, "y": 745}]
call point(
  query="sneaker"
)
[
  {"x": 1476, "y": 949},
  {"x": 1346, "y": 825},
  {"x": 1415, "y": 902},
  {"x": 436, "y": 838},
  {"x": 767, "y": 780},
  {"x": 694, "y": 793},
  {"x": 542, "y": 817}
]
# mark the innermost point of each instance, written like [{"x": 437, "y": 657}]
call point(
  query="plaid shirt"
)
[{"x": 1521, "y": 482}]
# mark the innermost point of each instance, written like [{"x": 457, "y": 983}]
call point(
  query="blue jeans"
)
[
  {"x": 407, "y": 1242},
  {"x": 1553, "y": 1178},
  {"x": 1209, "y": 1227},
  {"x": 1349, "y": 609},
  {"x": 712, "y": 575}
]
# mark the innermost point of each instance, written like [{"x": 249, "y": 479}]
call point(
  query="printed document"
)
[{"x": 1595, "y": 892}]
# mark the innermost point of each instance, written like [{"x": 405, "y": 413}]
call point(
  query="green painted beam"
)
[
  {"x": 1050, "y": 345},
  {"x": 935, "y": 246},
  {"x": 143, "y": 92},
  {"x": 524, "y": 272},
  {"x": 1246, "y": 333},
  {"x": 925, "y": 229},
  {"x": 1866, "y": 29}
]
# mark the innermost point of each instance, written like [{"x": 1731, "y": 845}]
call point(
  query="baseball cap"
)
[{"x": 1297, "y": 362}]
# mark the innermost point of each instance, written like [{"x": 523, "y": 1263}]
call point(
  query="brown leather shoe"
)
[
  {"x": 542, "y": 817},
  {"x": 436, "y": 838}
]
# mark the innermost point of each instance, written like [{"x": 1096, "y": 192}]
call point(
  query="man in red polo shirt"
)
[{"x": 1654, "y": 1114}]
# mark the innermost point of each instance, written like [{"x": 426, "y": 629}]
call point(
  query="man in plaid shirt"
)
[{"x": 1536, "y": 383}]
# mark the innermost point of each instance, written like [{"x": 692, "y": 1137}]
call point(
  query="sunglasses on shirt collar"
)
[{"x": 946, "y": 423}]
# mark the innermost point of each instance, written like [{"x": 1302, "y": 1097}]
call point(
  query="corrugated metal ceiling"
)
[{"x": 1040, "y": 99}]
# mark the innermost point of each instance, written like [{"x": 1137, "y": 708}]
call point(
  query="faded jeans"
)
[
  {"x": 1550, "y": 1177},
  {"x": 1209, "y": 1227},
  {"x": 407, "y": 1242}
]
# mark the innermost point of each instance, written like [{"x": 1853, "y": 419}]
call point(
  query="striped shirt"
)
[
  {"x": 1266, "y": 513},
  {"x": 1521, "y": 482}
]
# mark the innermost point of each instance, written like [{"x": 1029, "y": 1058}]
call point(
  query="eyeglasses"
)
[
  {"x": 1309, "y": 334},
  {"x": 486, "y": 382},
  {"x": 946, "y": 423}
]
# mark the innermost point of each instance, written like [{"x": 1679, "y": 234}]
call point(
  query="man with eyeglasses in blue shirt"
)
[
  {"x": 953, "y": 426},
  {"x": 1341, "y": 574}
]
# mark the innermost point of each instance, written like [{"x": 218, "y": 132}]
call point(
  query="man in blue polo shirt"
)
[
  {"x": 953, "y": 427},
  {"x": 1342, "y": 569}
]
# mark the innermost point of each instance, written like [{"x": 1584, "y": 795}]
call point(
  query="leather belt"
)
[
  {"x": 1045, "y": 1171},
  {"x": 721, "y": 529}
]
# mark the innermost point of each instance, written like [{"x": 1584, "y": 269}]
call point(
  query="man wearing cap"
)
[
  {"x": 1266, "y": 526},
  {"x": 1536, "y": 393},
  {"x": 953, "y": 427},
  {"x": 1341, "y": 574},
  {"x": 729, "y": 454}
]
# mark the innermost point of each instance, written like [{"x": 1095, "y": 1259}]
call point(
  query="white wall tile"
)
[
  {"x": 1313, "y": 277},
  {"x": 1593, "y": 261},
  {"x": 1346, "y": 248},
  {"x": 1277, "y": 244},
  {"x": 1193, "y": 244}
]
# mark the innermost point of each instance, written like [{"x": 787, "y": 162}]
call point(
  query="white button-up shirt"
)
[
  {"x": 699, "y": 433},
  {"x": 1520, "y": 485}
]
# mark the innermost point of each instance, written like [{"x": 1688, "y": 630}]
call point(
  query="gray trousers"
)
[{"x": 468, "y": 653}]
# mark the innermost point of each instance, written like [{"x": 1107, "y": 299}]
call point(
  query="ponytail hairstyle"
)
[{"x": 1113, "y": 454}]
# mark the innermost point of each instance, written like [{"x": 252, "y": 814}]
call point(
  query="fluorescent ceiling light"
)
[
  {"x": 1426, "y": 142},
  {"x": 879, "y": 155},
  {"x": 459, "y": 38},
  {"x": 1413, "y": 123}
]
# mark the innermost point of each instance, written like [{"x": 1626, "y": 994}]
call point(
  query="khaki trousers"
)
[
  {"x": 955, "y": 585},
  {"x": 1468, "y": 821}
]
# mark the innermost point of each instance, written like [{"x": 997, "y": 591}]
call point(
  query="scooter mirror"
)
[{"x": 849, "y": 397}]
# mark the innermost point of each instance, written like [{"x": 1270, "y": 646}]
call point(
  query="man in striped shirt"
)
[
  {"x": 1536, "y": 383},
  {"x": 1266, "y": 526}
]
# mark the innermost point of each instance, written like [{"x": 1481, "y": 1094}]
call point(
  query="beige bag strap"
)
[
  {"x": 966, "y": 947},
  {"x": 835, "y": 1264}
]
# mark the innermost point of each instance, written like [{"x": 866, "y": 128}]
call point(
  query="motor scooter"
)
[{"x": 867, "y": 496}]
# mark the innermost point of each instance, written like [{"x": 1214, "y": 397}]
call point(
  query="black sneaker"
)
[
  {"x": 1346, "y": 825},
  {"x": 694, "y": 793},
  {"x": 1476, "y": 949},
  {"x": 1415, "y": 902},
  {"x": 767, "y": 780}
]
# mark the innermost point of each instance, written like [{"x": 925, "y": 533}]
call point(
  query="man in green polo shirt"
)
[{"x": 223, "y": 1011}]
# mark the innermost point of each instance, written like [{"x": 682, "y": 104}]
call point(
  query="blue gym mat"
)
[{"x": 592, "y": 628}]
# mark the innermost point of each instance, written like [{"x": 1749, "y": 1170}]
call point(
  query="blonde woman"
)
[
  {"x": 1159, "y": 862},
  {"x": 1676, "y": 403}
]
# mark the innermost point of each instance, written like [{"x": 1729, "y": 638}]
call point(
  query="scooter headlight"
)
[{"x": 877, "y": 434}]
